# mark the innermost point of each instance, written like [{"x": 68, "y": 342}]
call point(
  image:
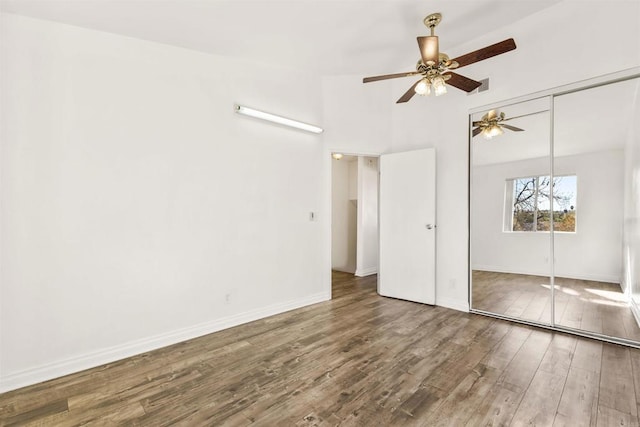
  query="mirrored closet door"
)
[
  {"x": 510, "y": 185},
  {"x": 593, "y": 136},
  {"x": 555, "y": 210}
]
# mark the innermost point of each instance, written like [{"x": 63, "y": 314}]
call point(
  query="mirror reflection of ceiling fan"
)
[
  {"x": 435, "y": 67},
  {"x": 492, "y": 124}
]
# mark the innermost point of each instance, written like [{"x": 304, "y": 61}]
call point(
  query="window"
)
[{"x": 528, "y": 203}]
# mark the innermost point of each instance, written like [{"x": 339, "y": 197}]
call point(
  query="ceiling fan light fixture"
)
[
  {"x": 423, "y": 87},
  {"x": 439, "y": 87},
  {"x": 491, "y": 131}
]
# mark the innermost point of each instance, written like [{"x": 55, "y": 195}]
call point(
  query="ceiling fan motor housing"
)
[{"x": 444, "y": 65}]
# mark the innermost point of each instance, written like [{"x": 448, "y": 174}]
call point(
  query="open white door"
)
[{"x": 407, "y": 226}]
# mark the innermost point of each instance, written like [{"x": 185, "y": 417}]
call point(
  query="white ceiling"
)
[
  {"x": 596, "y": 119},
  {"x": 332, "y": 37},
  {"x": 328, "y": 36}
]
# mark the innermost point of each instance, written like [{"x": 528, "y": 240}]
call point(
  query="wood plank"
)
[
  {"x": 579, "y": 403},
  {"x": 498, "y": 407},
  {"x": 539, "y": 306},
  {"x": 463, "y": 402},
  {"x": 52, "y": 408},
  {"x": 422, "y": 402},
  {"x": 502, "y": 355},
  {"x": 502, "y": 401},
  {"x": 612, "y": 320},
  {"x": 617, "y": 390},
  {"x": 359, "y": 359},
  {"x": 612, "y": 417},
  {"x": 540, "y": 402},
  {"x": 634, "y": 354},
  {"x": 524, "y": 365},
  {"x": 588, "y": 355},
  {"x": 559, "y": 355},
  {"x": 571, "y": 317}
]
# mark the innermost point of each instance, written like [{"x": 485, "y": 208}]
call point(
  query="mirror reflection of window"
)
[{"x": 529, "y": 201}]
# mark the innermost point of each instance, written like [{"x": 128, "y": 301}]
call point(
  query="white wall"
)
[
  {"x": 592, "y": 253},
  {"x": 367, "y": 245},
  {"x": 551, "y": 52},
  {"x": 343, "y": 215},
  {"x": 353, "y": 178},
  {"x": 357, "y": 116},
  {"x": 137, "y": 209}
]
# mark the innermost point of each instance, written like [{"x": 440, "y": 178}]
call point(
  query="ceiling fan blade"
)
[
  {"x": 462, "y": 82},
  {"x": 408, "y": 94},
  {"x": 485, "y": 53},
  {"x": 516, "y": 117},
  {"x": 476, "y": 131},
  {"x": 513, "y": 128},
  {"x": 429, "y": 49},
  {"x": 478, "y": 123},
  {"x": 389, "y": 76}
]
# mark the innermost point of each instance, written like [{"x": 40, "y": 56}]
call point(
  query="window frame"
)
[{"x": 507, "y": 223}]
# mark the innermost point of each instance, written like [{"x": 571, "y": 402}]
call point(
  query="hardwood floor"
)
[
  {"x": 358, "y": 360},
  {"x": 581, "y": 304}
]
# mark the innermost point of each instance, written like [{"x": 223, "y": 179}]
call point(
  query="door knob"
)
[{"x": 430, "y": 226}]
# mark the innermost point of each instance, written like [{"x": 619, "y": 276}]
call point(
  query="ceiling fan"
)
[
  {"x": 435, "y": 67},
  {"x": 491, "y": 124}
]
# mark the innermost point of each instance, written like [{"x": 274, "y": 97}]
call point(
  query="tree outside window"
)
[{"x": 530, "y": 203}]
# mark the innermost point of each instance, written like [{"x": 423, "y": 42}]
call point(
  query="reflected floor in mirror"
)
[{"x": 581, "y": 304}]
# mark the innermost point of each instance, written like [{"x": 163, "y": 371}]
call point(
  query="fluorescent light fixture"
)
[{"x": 241, "y": 109}]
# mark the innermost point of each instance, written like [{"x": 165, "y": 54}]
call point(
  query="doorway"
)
[{"x": 354, "y": 214}]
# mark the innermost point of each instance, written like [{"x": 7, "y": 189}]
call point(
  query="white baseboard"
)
[
  {"x": 118, "y": 352},
  {"x": 343, "y": 270},
  {"x": 591, "y": 277},
  {"x": 453, "y": 303},
  {"x": 501, "y": 269},
  {"x": 366, "y": 271}
]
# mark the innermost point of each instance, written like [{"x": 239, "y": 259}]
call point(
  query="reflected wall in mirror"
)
[
  {"x": 510, "y": 205},
  {"x": 596, "y": 245}
]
